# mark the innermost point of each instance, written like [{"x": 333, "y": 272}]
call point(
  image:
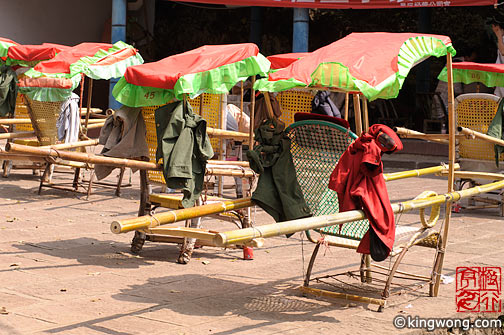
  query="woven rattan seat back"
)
[
  {"x": 43, "y": 115},
  {"x": 211, "y": 113},
  {"x": 21, "y": 112},
  {"x": 476, "y": 111},
  {"x": 316, "y": 147},
  {"x": 292, "y": 102}
]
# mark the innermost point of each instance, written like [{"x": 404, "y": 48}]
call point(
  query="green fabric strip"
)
[
  {"x": 489, "y": 79},
  {"x": 4, "y": 48},
  {"x": 216, "y": 81}
]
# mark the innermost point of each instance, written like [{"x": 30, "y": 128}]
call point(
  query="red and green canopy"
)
[
  {"x": 283, "y": 60},
  {"x": 374, "y": 64},
  {"x": 55, "y": 79},
  {"x": 210, "y": 68},
  {"x": 30, "y": 55},
  {"x": 490, "y": 75},
  {"x": 5, "y": 44}
]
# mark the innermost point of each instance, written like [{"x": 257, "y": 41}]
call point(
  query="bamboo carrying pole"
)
[
  {"x": 475, "y": 175},
  {"x": 416, "y": 173},
  {"x": 358, "y": 117},
  {"x": 143, "y": 222},
  {"x": 236, "y": 163},
  {"x": 408, "y": 133},
  {"x": 227, "y": 134},
  {"x": 473, "y": 133},
  {"x": 82, "y": 157},
  {"x": 438, "y": 268},
  {"x": 15, "y": 121},
  {"x": 18, "y": 157},
  {"x": 243, "y": 236},
  {"x": 24, "y": 134},
  {"x": 71, "y": 145}
]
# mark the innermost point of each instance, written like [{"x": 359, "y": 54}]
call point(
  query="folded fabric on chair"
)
[
  {"x": 123, "y": 136},
  {"x": 68, "y": 122}
]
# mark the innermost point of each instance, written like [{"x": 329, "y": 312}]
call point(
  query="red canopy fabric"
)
[
  {"x": 371, "y": 57},
  {"x": 165, "y": 73},
  {"x": 283, "y": 60},
  {"x": 3, "y": 39},
  {"x": 61, "y": 63},
  {"x": 498, "y": 68},
  {"x": 346, "y": 4},
  {"x": 30, "y": 53}
]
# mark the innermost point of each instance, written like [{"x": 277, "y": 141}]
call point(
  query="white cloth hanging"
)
[{"x": 68, "y": 122}]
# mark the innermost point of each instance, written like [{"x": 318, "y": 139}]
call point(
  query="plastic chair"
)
[{"x": 316, "y": 147}]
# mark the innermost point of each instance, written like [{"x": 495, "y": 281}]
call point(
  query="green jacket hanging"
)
[
  {"x": 8, "y": 91},
  {"x": 184, "y": 146},
  {"x": 278, "y": 191},
  {"x": 495, "y": 130}
]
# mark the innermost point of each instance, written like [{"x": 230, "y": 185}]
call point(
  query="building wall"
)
[{"x": 66, "y": 22}]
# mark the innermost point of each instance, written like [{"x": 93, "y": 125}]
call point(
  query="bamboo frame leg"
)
[
  {"x": 358, "y": 116},
  {"x": 45, "y": 177},
  {"x": 310, "y": 265},
  {"x": 90, "y": 185},
  {"x": 139, "y": 238},
  {"x": 367, "y": 262},
  {"x": 188, "y": 246},
  {"x": 76, "y": 179},
  {"x": 119, "y": 182},
  {"x": 362, "y": 268},
  {"x": 6, "y": 166},
  {"x": 434, "y": 276}
]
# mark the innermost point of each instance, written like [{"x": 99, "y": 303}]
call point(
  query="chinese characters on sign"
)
[{"x": 478, "y": 289}]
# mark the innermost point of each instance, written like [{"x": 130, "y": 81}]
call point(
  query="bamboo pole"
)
[
  {"x": 358, "y": 117},
  {"x": 83, "y": 111},
  {"x": 236, "y": 163},
  {"x": 474, "y": 175},
  {"x": 227, "y": 134},
  {"x": 82, "y": 157},
  {"x": 18, "y": 157},
  {"x": 201, "y": 104},
  {"x": 71, "y": 145},
  {"x": 347, "y": 102},
  {"x": 230, "y": 172},
  {"x": 146, "y": 221},
  {"x": 337, "y": 295},
  {"x": 88, "y": 111},
  {"x": 481, "y": 136},
  {"x": 24, "y": 134},
  {"x": 15, "y": 121},
  {"x": 365, "y": 115},
  {"x": 242, "y": 236},
  {"x": 269, "y": 108},
  {"x": 252, "y": 112},
  {"x": 408, "y": 133},
  {"x": 451, "y": 174},
  {"x": 241, "y": 100},
  {"x": 95, "y": 125},
  {"x": 416, "y": 173}
]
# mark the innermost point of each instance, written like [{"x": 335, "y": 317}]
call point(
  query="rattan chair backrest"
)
[
  {"x": 476, "y": 111},
  {"x": 44, "y": 115},
  {"x": 316, "y": 147},
  {"x": 21, "y": 112},
  {"x": 211, "y": 113},
  {"x": 292, "y": 102}
]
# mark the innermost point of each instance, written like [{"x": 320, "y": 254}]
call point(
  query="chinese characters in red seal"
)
[{"x": 478, "y": 289}]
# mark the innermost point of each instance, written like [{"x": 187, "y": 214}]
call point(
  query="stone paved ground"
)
[{"x": 63, "y": 272}]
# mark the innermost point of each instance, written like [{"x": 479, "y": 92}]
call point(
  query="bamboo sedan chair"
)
[
  {"x": 316, "y": 147},
  {"x": 475, "y": 111},
  {"x": 209, "y": 70},
  {"x": 208, "y": 106}
]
